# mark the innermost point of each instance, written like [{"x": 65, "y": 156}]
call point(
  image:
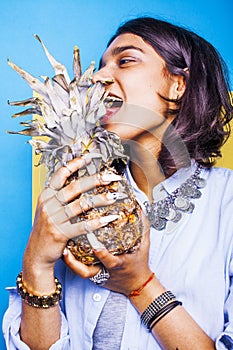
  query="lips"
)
[{"x": 112, "y": 104}]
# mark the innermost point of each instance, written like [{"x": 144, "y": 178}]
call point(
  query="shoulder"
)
[
  {"x": 220, "y": 184},
  {"x": 218, "y": 192},
  {"x": 220, "y": 177},
  {"x": 218, "y": 171}
]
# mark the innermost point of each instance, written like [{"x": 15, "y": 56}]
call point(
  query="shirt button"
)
[{"x": 97, "y": 297}]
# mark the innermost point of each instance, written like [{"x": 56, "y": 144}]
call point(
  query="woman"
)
[{"x": 177, "y": 284}]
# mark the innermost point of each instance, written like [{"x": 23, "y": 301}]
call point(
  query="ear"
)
[{"x": 179, "y": 85}]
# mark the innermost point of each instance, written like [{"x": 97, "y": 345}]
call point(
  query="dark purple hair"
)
[{"x": 204, "y": 111}]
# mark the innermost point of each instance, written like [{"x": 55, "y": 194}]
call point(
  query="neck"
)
[
  {"x": 144, "y": 165},
  {"x": 142, "y": 177}
]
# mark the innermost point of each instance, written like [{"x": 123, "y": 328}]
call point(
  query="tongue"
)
[{"x": 109, "y": 113}]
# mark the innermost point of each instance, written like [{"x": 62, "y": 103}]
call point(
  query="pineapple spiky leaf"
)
[{"x": 71, "y": 111}]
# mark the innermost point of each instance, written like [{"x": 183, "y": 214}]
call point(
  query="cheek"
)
[
  {"x": 138, "y": 92},
  {"x": 147, "y": 96},
  {"x": 133, "y": 120}
]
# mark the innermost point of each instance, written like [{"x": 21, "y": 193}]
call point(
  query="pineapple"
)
[{"x": 70, "y": 127}]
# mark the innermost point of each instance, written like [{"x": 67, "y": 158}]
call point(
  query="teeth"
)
[
  {"x": 112, "y": 101},
  {"x": 113, "y": 98},
  {"x": 108, "y": 104}
]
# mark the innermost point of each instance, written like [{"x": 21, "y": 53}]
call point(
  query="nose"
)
[{"x": 103, "y": 76}]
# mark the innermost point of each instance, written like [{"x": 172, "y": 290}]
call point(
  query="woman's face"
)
[{"x": 139, "y": 76}]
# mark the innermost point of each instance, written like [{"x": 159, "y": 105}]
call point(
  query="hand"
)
[
  {"x": 56, "y": 206},
  {"x": 128, "y": 271}
]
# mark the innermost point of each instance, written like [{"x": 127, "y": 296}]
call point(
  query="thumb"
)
[{"x": 78, "y": 267}]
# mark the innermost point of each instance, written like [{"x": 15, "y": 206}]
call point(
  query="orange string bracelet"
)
[{"x": 138, "y": 291}]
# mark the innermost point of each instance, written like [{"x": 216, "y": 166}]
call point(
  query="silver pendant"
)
[
  {"x": 162, "y": 212},
  {"x": 172, "y": 215},
  {"x": 181, "y": 203},
  {"x": 159, "y": 223},
  {"x": 200, "y": 182}
]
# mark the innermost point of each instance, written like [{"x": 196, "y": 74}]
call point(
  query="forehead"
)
[{"x": 125, "y": 42}]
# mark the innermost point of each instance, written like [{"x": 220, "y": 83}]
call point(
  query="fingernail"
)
[
  {"x": 65, "y": 251},
  {"x": 87, "y": 158},
  {"x": 94, "y": 241},
  {"x": 110, "y": 177},
  {"x": 116, "y": 195},
  {"x": 106, "y": 219}
]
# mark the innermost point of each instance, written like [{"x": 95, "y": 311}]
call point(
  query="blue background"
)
[{"x": 63, "y": 24}]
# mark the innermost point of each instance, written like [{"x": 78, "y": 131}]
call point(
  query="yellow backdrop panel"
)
[{"x": 227, "y": 153}]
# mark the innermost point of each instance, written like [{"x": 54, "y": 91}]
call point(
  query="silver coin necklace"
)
[{"x": 174, "y": 205}]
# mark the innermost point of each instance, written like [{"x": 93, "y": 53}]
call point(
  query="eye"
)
[{"x": 126, "y": 60}]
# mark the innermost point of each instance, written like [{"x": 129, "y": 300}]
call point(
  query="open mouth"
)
[
  {"x": 112, "y": 101},
  {"x": 112, "y": 104}
]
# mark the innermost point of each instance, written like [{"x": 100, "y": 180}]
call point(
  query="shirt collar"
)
[{"x": 168, "y": 185}]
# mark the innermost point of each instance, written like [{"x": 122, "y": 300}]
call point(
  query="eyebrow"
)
[{"x": 119, "y": 49}]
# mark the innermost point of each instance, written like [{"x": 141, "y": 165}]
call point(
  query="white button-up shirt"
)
[{"x": 193, "y": 259}]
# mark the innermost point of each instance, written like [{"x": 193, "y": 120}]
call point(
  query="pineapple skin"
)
[
  {"x": 71, "y": 111},
  {"x": 120, "y": 236}
]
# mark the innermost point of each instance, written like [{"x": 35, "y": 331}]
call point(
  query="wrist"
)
[
  {"x": 137, "y": 292},
  {"x": 38, "y": 280},
  {"x": 37, "y": 300},
  {"x": 151, "y": 291}
]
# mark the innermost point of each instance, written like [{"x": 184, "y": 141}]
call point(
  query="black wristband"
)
[
  {"x": 163, "y": 312},
  {"x": 156, "y": 306}
]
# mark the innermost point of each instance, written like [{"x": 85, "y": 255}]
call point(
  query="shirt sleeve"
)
[
  {"x": 11, "y": 326},
  {"x": 225, "y": 340}
]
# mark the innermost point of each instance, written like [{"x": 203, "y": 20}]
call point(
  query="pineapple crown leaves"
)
[{"x": 71, "y": 111}]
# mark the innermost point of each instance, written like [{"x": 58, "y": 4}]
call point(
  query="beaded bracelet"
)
[
  {"x": 156, "y": 306},
  {"x": 43, "y": 301}
]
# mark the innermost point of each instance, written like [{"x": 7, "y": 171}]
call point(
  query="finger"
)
[
  {"x": 77, "y": 267},
  {"x": 51, "y": 204},
  {"x": 117, "y": 261},
  {"x": 109, "y": 260},
  {"x": 87, "y": 201},
  {"x": 58, "y": 179},
  {"x": 45, "y": 195},
  {"x": 146, "y": 230},
  {"x": 71, "y": 230},
  {"x": 85, "y": 184}
]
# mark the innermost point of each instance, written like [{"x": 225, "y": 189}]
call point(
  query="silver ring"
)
[
  {"x": 63, "y": 203},
  {"x": 99, "y": 178},
  {"x": 81, "y": 206},
  {"x": 101, "y": 277},
  {"x": 51, "y": 187},
  {"x": 87, "y": 200},
  {"x": 87, "y": 227},
  {"x": 65, "y": 207},
  {"x": 65, "y": 165}
]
